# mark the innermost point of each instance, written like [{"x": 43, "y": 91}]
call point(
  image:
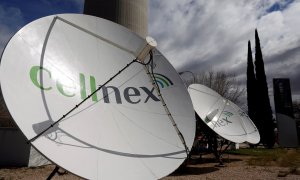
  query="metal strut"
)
[
  {"x": 77, "y": 105},
  {"x": 56, "y": 171},
  {"x": 152, "y": 78},
  {"x": 89, "y": 96},
  {"x": 53, "y": 173}
]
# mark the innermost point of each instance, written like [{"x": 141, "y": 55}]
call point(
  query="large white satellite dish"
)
[
  {"x": 123, "y": 131},
  {"x": 222, "y": 115}
]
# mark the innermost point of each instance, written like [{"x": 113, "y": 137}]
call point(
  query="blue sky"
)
[
  {"x": 199, "y": 35},
  {"x": 279, "y": 6},
  {"x": 17, "y": 13},
  {"x": 34, "y": 9}
]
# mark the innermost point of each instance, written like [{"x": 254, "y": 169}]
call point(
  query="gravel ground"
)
[{"x": 236, "y": 168}]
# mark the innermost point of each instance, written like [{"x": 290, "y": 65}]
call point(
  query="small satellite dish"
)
[
  {"x": 222, "y": 115},
  {"x": 116, "y": 115}
]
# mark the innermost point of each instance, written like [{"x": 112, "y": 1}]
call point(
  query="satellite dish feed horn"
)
[{"x": 150, "y": 43}]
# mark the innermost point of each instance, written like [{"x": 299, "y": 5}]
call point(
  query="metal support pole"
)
[
  {"x": 194, "y": 78},
  {"x": 53, "y": 173}
]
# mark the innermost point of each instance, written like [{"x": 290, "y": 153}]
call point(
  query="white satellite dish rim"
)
[
  {"x": 218, "y": 96},
  {"x": 150, "y": 44},
  {"x": 255, "y": 131},
  {"x": 41, "y": 60}
]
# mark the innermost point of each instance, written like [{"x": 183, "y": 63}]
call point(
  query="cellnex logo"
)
[
  {"x": 162, "y": 80},
  {"x": 131, "y": 94},
  {"x": 224, "y": 120}
]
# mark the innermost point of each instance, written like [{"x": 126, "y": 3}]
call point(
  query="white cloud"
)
[{"x": 198, "y": 34}]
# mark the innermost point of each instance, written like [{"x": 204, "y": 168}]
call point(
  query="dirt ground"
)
[{"x": 236, "y": 167}]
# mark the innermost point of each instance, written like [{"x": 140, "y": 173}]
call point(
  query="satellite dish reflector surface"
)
[
  {"x": 122, "y": 131},
  {"x": 222, "y": 115}
]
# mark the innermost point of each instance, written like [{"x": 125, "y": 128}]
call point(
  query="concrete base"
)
[{"x": 36, "y": 159}]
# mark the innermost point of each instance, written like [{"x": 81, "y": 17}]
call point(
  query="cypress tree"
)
[
  {"x": 264, "y": 111},
  {"x": 251, "y": 88}
]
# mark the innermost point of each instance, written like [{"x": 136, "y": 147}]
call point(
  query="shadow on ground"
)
[
  {"x": 189, "y": 167},
  {"x": 225, "y": 160},
  {"x": 194, "y": 171}
]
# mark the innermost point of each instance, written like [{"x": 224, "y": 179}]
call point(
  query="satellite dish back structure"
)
[
  {"x": 121, "y": 131},
  {"x": 222, "y": 115}
]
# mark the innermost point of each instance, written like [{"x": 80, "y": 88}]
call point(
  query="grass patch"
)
[{"x": 271, "y": 157}]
